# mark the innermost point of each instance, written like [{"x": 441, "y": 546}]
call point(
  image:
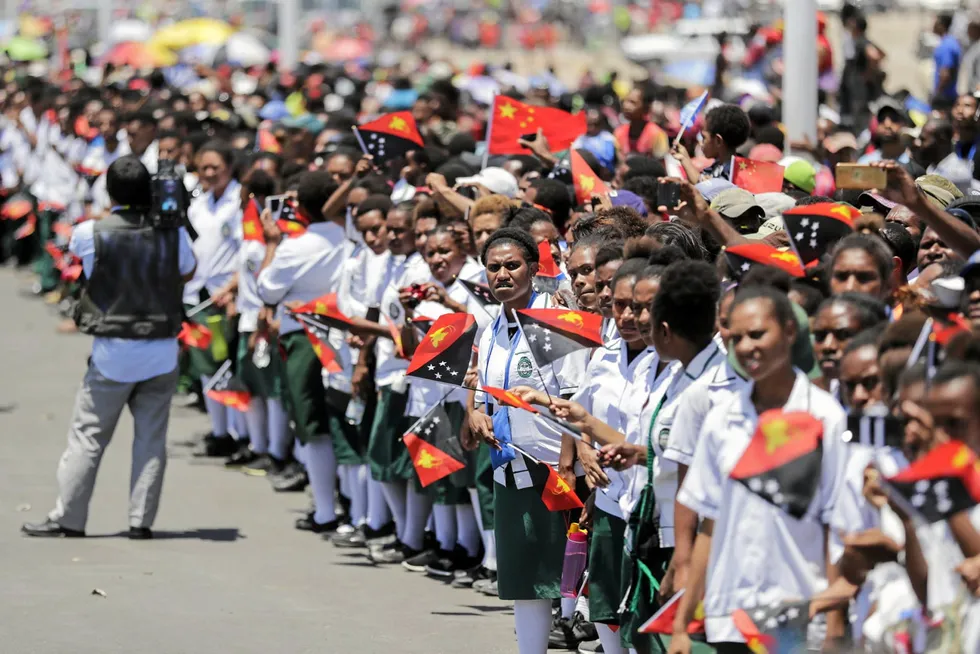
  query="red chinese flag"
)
[
  {"x": 757, "y": 176},
  {"x": 558, "y": 495},
  {"x": 193, "y": 335},
  {"x": 741, "y": 258},
  {"x": 546, "y": 262},
  {"x": 513, "y": 119},
  {"x": 662, "y": 621},
  {"x": 585, "y": 180},
  {"x": 507, "y": 398},
  {"x": 430, "y": 463},
  {"x": 252, "y": 222}
]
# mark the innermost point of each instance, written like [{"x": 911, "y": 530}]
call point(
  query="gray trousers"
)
[{"x": 98, "y": 405}]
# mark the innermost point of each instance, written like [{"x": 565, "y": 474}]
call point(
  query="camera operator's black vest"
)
[{"x": 135, "y": 288}]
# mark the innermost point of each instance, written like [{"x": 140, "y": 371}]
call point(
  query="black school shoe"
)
[
  {"x": 567, "y": 634},
  {"x": 263, "y": 465},
  {"x": 49, "y": 529},
  {"x": 217, "y": 446},
  {"x": 422, "y": 559},
  {"x": 307, "y": 523},
  {"x": 392, "y": 553},
  {"x": 291, "y": 479},
  {"x": 466, "y": 578},
  {"x": 242, "y": 457},
  {"x": 448, "y": 563}
]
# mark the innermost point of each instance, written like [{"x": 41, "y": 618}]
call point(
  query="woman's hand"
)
[
  {"x": 530, "y": 395},
  {"x": 571, "y": 412},
  {"x": 435, "y": 293},
  {"x": 472, "y": 377},
  {"x": 872, "y": 488},
  {"x": 355, "y": 341},
  {"x": 363, "y": 166},
  {"x": 270, "y": 230},
  {"x": 970, "y": 572},
  {"x": 589, "y": 458},
  {"x": 481, "y": 427},
  {"x": 680, "y": 643},
  {"x": 901, "y": 186},
  {"x": 621, "y": 456},
  {"x": 361, "y": 380}
]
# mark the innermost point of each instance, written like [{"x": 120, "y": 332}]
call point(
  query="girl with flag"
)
[
  {"x": 530, "y": 539},
  {"x": 752, "y": 548},
  {"x": 453, "y": 514},
  {"x": 266, "y": 418}
]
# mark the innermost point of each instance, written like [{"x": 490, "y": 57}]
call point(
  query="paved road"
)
[{"x": 228, "y": 573}]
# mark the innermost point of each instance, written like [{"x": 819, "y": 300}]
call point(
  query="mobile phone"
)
[
  {"x": 668, "y": 194},
  {"x": 860, "y": 176},
  {"x": 533, "y": 136},
  {"x": 274, "y": 204}
]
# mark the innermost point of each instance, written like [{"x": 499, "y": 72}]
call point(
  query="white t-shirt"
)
[{"x": 218, "y": 223}]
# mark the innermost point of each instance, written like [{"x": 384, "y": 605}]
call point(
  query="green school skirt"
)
[
  {"x": 483, "y": 482},
  {"x": 202, "y": 361},
  {"x": 349, "y": 441},
  {"x": 386, "y": 454},
  {"x": 606, "y": 567},
  {"x": 302, "y": 386},
  {"x": 262, "y": 382}
]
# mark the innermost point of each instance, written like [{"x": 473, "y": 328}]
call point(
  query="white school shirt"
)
[
  {"x": 362, "y": 283},
  {"x": 400, "y": 272},
  {"x": 710, "y": 390},
  {"x": 505, "y": 363},
  {"x": 218, "y": 223},
  {"x": 664, "y": 470},
  {"x": 130, "y": 360},
  {"x": 305, "y": 267},
  {"x": 424, "y": 394},
  {"x": 638, "y": 426},
  {"x": 943, "y": 555},
  {"x": 250, "y": 258},
  {"x": 611, "y": 387},
  {"x": 760, "y": 555}
]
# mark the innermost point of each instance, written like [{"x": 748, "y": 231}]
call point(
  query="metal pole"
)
[
  {"x": 288, "y": 34},
  {"x": 800, "y": 70},
  {"x": 105, "y": 20}
]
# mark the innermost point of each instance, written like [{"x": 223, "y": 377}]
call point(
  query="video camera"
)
[{"x": 169, "y": 197}]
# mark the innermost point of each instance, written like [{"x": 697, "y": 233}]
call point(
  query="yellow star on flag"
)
[
  {"x": 398, "y": 123},
  {"x": 742, "y": 165},
  {"x": 841, "y": 211},
  {"x": 508, "y": 110},
  {"x": 561, "y": 487},
  {"x": 426, "y": 460},
  {"x": 586, "y": 182},
  {"x": 776, "y": 433},
  {"x": 250, "y": 229}
]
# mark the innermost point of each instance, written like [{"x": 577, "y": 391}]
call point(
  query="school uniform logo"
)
[
  {"x": 524, "y": 367},
  {"x": 663, "y": 437},
  {"x": 226, "y": 230},
  {"x": 394, "y": 310}
]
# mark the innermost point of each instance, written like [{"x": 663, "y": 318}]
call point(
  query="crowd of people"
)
[{"x": 716, "y": 434}]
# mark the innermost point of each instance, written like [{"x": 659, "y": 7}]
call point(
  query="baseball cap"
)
[
  {"x": 886, "y": 105},
  {"x": 938, "y": 181},
  {"x": 877, "y": 202},
  {"x": 766, "y": 152},
  {"x": 972, "y": 265},
  {"x": 710, "y": 189},
  {"x": 840, "y": 141},
  {"x": 802, "y": 175},
  {"x": 497, "y": 180},
  {"x": 774, "y": 204},
  {"x": 628, "y": 199},
  {"x": 736, "y": 203},
  {"x": 767, "y": 228}
]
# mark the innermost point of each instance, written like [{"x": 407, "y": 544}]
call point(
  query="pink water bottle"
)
[{"x": 576, "y": 557}]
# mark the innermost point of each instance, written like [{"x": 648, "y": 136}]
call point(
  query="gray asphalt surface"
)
[{"x": 227, "y": 572}]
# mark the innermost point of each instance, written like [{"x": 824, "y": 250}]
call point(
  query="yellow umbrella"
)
[{"x": 192, "y": 32}]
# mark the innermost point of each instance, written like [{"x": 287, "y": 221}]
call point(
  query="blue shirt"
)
[
  {"x": 947, "y": 55},
  {"x": 122, "y": 359},
  {"x": 602, "y": 145}
]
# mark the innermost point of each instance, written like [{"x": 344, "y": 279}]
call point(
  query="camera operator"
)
[{"x": 135, "y": 261}]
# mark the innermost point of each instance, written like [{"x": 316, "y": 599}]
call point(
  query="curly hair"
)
[{"x": 688, "y": 300}]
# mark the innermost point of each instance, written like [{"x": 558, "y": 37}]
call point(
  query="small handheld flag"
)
[
  {"x": 433, "y": 447},
  {"x": 549, "y": 275},
  {"x": 444, "y": 353},
  {"x": 689, "y": 113},
  {"x": 585, "y": 179},
  {"x": 814, "y": 229},
  {"x": 480, "y": 292},
  {"x": 555, "y": 333},
  {"x": 941, "y": 484},
  {"x": 390, "y": 137},
  {"x": 28, "y": 228},
  {"x": 16, "y": 208},
  {"x": 318, "y": 339},
  {"x": 557, "y": 494},
  {"x": 324, "y": 311},
  {"x": 193, "y": 335},
  {"x": 423, "y": 324},
  {"x": 252, "y": 222},
  {"x": 783, "y": 460},
  {"x": 289, "y": 222},
  {"x": 662, "y": 621},
  {"x": 742, "y": 258},
  {"x": 225, "y": 387},
  {"x": 757, "y": 176}
]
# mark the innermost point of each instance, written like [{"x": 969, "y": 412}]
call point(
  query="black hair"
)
[
  {"x": 901, "y": 243},
  {"x": 453, "y": 170},
  {"x": 446, "y": 227},
  {"x": 509, "y": 236},
  {"x": 524, "y": 217},
  {"x": 811, "y": 295},
  {"x": 260, "y": 183},
  {"x": 770, "y": 134},
  {"x": 807, "y": 200},
  {"x": 768, "y": 276},
  {"x": 128, "y": 182},
  {"x": 667, "y": 255},
  {"x": 461, "y": 142},
  {"x": 873, "y": 245},
  {"x": 730, "y": 123},
  {"x": 640, "y": 165},
  {"x": 374, "y": 185},
  {"x": 915, "y": 374},
  {"x": 408, "y": 208},
  {"x": 553, "y": 195},
  {"x": 631, "y": 268},
  {"x": 626, "y": 220},
  {"x": 954, "y": 369},
  {"x": 609, "y": 251},
  {"x": 782, "y": 305},
  {"x": 144, "y": 115},
  {"x": 688, "y": 300},
  {"x": 645, "y": 187},
  {"x": 380, "y": 203},
  {"x": 315, "y": 188},
  {"x": 222, "y": 149},
  {"x": 869, "y": 311},
  {"x": 946, "y": 20},
  {"x": 593, "y": 241},
  {"x": 170, "y": 134},
  {"x": 679, "y": 235},
  {"x": 864, "y": 338}
]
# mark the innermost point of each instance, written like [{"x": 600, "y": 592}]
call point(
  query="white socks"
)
[
  {"x": 609, "y": 640},
  {"x": 486, "y": 534},
  {"x": 377, "y": 508},
  {"x": 278, "y": 423},
  {"x": 395, "y": 499},
  {"x": 321, "y": 467},
  {"x": 533, "y": 621},
  {"x": 417, "y": 510},
  {"x": 467, "y": 529},
  {"x": 217, "y": 412},
  {"x": 257, "y": 420},
  {"x": 357, "y": 490},
  {"x": 237, "y": 424},
  {"x": 445, "y": 519},
  {"x": 567, "y": 607}
]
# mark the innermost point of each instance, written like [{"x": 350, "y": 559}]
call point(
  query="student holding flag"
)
[
  {"x": 749, "y": 545},
  {"x": 296, "y": 270},
  {"x": 530, "y": 539}
]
